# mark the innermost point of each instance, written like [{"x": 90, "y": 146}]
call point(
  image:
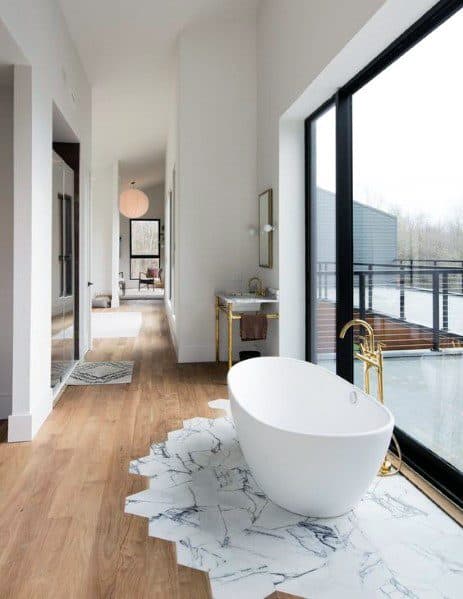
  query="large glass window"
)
[
  {"x": 408, "y": 234},
  {"x": 385, "y": 235},
  {"x": 144, "y": 246}
]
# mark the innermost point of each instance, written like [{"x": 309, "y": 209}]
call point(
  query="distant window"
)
[{"x": 144, "y": 246}]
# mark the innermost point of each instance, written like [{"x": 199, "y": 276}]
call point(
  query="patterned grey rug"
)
[{"x": 101, "y": 373}]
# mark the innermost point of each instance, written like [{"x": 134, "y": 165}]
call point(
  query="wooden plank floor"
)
[{"x": 63, "y": 531}]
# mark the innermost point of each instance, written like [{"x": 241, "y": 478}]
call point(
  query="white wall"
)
[
  {"x": 171, "y": 164},
  {"x": 306, "y": 50},
  {"x": 53, "y": 73},
  {"x": 116, "y": 186},
  {"x": 156, "y": 198},
  {"x": 105, "y": 231},
  {"x": 216, "y": 175},
  {"x": 6, "y": 245}
]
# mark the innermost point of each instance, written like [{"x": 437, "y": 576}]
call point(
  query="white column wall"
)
[
  {"x": 6, "y": 246},
  {"x": 216, "y": 176},
  {"x": 53, "y": 73}
]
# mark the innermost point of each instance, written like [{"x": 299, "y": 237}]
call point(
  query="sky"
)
[{"x": 408, "y": 132}]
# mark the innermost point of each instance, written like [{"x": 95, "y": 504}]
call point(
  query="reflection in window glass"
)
[{"x": 323, "y": 214}]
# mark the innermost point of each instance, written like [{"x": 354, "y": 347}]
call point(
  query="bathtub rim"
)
[{"x": 376, "y": 431}]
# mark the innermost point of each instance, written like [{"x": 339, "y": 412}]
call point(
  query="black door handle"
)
[{"x": 89, "y": 283}]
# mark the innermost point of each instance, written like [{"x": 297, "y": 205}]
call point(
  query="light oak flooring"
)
[{"x": 63, "y": 531}]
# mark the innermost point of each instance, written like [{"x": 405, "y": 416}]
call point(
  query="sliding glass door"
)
[
  {"x": 395, "y": 208},
  {"x": 408, "y": 233}
]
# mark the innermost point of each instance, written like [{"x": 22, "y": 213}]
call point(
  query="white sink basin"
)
[{"x": 246, "y": 302}]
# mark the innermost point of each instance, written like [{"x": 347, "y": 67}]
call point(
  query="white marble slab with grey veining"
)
[{"x": 201, "y": 495}]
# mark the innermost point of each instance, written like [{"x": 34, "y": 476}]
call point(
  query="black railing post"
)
[
  {"x": 362, "y": 295},
  {"x": 370, "y": 288},
  {"x": 319, "y": 281},
  {"x": 435, "y": 311},
  {"x": 411, "y": 272},
  {"x": 445, "y": 301},
  {"x": 402, "y": 295},
  {"x": 462, "y": 278}
]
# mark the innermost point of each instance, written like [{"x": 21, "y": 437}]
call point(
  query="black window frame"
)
[
  {"x": 66, "y": 242},
  {"x": 144, "y": 256},
  {"x": 432, "y": 467}
]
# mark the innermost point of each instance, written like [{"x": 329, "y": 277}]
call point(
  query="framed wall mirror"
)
[{"x": 266, "y": 229}]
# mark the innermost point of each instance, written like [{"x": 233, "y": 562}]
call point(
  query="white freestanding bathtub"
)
[{"x": 313, "y": 441}]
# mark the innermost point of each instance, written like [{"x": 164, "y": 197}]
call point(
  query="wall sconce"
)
[
  {"x": 268, "y": 228},
  {"x": 253, "y": 231}
]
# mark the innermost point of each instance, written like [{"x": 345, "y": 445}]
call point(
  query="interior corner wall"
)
[
  {"x": 6, "y": 248},
  {"x": 156, "y": 208},
  {"x": 40, "y": 33},
  {"x": 216, "y": 176}
]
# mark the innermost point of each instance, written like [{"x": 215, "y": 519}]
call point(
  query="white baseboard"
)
[
  {"x": 19, "y": 428},
  {"x": 196, "y": 353}
]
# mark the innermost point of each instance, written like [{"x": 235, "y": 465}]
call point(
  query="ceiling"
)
[{"x": 127, "y": 49}]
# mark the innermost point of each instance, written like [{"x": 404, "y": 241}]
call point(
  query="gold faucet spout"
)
[
  {"x": 371, "y": 355},
  {"x": 366, "y": 326},
  {"x": 259, "y": 286}
]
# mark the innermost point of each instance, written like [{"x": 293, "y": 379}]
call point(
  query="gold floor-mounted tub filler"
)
[{"x": 371, "y": 354}]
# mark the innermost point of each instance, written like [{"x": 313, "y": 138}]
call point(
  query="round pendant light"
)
[{"x": 133, "y": 203}]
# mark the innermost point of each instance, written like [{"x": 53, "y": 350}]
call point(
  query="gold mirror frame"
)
[{"x": 265, "y": 202}]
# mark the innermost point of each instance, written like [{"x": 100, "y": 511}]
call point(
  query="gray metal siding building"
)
[{"x": 375, "y": 232}]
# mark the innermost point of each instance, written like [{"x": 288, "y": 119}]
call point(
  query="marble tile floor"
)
[{"x": 203, "y": 497}]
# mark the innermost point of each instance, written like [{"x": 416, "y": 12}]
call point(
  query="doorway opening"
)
[{"x": 141, "y": 251}]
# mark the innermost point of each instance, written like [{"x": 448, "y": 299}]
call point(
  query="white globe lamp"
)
[{"x": 133, "y": 203}]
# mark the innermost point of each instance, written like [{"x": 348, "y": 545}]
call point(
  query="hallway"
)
[{"x": 62, "y": 524}]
